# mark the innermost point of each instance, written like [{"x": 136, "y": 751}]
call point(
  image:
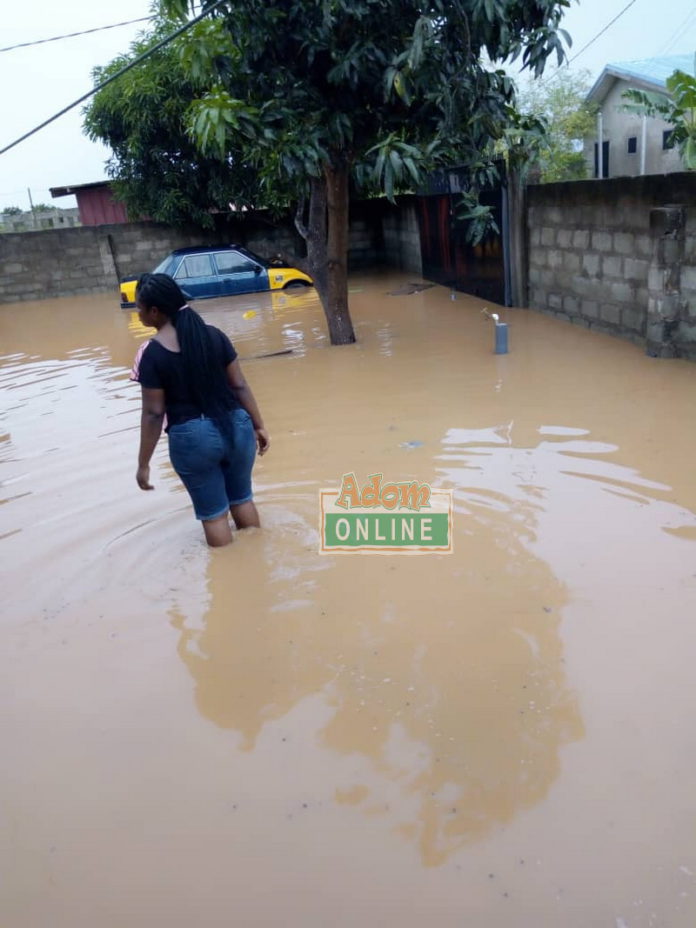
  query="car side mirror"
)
[{"x": 256, "y": 268}]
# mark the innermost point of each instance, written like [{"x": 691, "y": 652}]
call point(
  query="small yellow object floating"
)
[{"x": 249, "y": 314}]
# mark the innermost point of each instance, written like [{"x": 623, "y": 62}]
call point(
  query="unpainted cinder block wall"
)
[
  {"x": 401, "y": 231},
  {"x": 92, "y": 259},
  {"x": 88, "y": 259},
  {"x": 618, "y": 256}
]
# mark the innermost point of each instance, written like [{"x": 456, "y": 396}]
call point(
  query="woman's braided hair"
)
[{"x": 203, "y": 372}]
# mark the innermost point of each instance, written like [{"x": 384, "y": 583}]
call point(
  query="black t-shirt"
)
[{"x": 161, "y": 369}]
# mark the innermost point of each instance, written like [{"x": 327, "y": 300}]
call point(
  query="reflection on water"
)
[
  {"x": 445, "y": 739},
  {"x": 259, "y": 318},
  {"x": 456, "y": 694}
]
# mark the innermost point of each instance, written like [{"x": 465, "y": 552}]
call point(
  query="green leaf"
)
[
  {"x": 412, "y": 170},
  {"x": 689, "y": 153},
  {"x": 379, "y": 166},
  {"x": 396, "y": 164},
  {"x": 220, "y": 135},
  {"x": 389, "y": 181}
]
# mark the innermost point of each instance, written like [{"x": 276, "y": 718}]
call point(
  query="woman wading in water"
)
[{"x": 190, "y": 373}]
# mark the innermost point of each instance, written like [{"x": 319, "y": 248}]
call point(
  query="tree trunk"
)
[
  {"x": 316, "y": 236},
  {"x": 336, "y": 303},
  {"x": 326, "y": 234}
]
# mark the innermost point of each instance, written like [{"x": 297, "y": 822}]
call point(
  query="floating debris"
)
[
  {"x": 411, "y": 444},
  {"x": 271, "y": 354},
  {"x": 408, "y": 289}
]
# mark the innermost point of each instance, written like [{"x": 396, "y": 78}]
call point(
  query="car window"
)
[
  {"x": 230, "y": 262},
  {"x": 163, "y": 265},
  {"x": 196, "y": 266}
]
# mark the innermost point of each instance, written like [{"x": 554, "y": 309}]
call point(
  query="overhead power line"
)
[
  {"x": 592, "y": 40},
  {"x": 72, "y": 35},
  {"x": 114, "y": 77},
  {"x": 602, "y": 31},
  {"x": 679, "y": 32}
]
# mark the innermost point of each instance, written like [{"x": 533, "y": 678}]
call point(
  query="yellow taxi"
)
[{"x": 223, "y": 270}]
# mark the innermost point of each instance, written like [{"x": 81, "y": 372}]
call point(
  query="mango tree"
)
[
  {"x": 158, "y": 169},
  {"x": 319, "y": 97}
]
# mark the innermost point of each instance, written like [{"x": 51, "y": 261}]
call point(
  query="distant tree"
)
[
  {"x": 12, "y": 211},
  {"x": 42, "y": 207},
  {"x": 678, "y": 109},
  {"x": 157, "y": 167},
  {"x": 559, "y": 104}
]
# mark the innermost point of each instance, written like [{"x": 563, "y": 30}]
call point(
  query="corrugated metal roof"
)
[
  {"x": 655, "y": 70},
  {"x": 68, "y": 191},
  {"x": 648, "y": 74}
]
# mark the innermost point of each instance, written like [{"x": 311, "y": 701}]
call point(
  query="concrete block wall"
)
[
  {"x": 29, "y": 269},
  {"x": 593, "y": 255},
  {"x": 686, "y": 332},
  {"x": 91, "y": 259},
  {"x": 402, "y": 243},
  {"x": 139, "y": 246},
  {"x": 87, "y": 259}
]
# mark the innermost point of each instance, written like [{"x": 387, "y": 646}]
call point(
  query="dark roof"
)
[
  {"x": 68, "y": 191},
  {"x": 202, "y": 249}
]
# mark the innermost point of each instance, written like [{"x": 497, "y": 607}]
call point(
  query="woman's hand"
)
[
  {"x": 262, "y": 440},
  {"x": 143, "y": 477}
]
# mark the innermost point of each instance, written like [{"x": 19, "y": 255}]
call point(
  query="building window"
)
[
  {"x": 633, "y": 145},
  {"x": 667, "y": 139},
  {"x": 196, "y": 266}
]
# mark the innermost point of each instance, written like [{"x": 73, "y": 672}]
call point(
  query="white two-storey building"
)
[{"x": 632, "y": 144}]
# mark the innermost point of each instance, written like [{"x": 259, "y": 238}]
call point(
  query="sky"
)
[{"x": 36, "y": 82}]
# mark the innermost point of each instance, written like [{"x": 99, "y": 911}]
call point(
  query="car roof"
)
[{"x": 202, "y": 249}]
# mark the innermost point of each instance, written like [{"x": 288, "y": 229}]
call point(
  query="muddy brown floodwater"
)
[{"x": 263, "y": 736}]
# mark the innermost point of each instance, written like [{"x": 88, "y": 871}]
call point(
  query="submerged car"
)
[{"x": 223, "y": 270}]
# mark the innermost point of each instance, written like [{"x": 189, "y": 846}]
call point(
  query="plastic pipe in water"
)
[{"x": 501, "y": 338}]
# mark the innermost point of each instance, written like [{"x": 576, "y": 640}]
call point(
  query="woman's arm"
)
[
  {"x": 246, "y": 400},
  {"x": 151, "y": 420}
]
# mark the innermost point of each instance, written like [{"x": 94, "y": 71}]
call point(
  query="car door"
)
[
  {"x": 239, "y": 274},
  {"x": 198, "y": 278}
]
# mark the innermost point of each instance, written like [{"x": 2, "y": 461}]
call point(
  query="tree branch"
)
[{"x": 299, "y": 224}]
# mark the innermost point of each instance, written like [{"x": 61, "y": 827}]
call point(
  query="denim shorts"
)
[{"x": 216, "y": 473}]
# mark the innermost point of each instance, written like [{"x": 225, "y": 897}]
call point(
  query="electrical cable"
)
[
  {"x": 591, "y": 42},
  {"x": 602, "y": 31},
  {"x": 684, "y": 28},
  {"x": 110, "y": 80},
  {"x": 72, "y": 35}
]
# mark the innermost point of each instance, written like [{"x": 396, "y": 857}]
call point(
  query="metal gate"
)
[{"x": 450, "y": 260}]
